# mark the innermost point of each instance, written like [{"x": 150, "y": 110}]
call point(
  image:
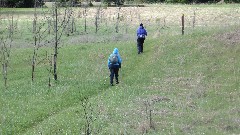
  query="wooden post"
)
[{"x": 182, "y": 24}]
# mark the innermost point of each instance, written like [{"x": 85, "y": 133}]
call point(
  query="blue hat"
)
[{"x": 115, "y": 51}]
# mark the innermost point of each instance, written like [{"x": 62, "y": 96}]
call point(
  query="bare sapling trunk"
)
[
  {"x": 73, "y": 25},
  {"x": 149, "y": 115},
  {"x": 151, "y": 120},
  {"x": 182, "y": 24},
  {"x": 59, "y": 29},
  {"x": 85, "y": 19},
  {"x": 5, "y": 66},
  {"x": 38, "y": 37},
  {"x": 89, "y": 116},
  {"x": 49, "y": 26},
  {"x": 97, "y": 18},
  {"x": 96, "y": 24},
  {"x": 4, "y": 60},
  {"x": 127, "y": 24},
  {"x": 194, "y": 19},
  {"x": 69, "y": 26},
  {"x": 50, "y": 60},
  {"x": 118, "y": 20},
  {"x": 11, "y": 29},
  {"x": 56, "y": 44},
  {"x": 79, "y": 15},
  {"x": 35, "y": 41},
  {"x": 6, "y": 44},
  {"x": 164, "y": 22}
]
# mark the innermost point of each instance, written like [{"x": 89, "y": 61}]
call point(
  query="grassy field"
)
[{"x": 181, "y": 84}]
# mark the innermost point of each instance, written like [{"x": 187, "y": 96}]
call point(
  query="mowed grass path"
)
[{"x": 179, "y": 85}]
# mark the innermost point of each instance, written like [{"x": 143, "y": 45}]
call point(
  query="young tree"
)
[
  {"x": 5, "y": 48},
  {"x": 56, "y": 42},
  {"x": 4, "y": 60},
  {"x": 59, "y": 27},
  {"x": 49, "y": 31},
  {"x": 97, "y": 17},
  {"x": 39, "y": 37},
  {"x": 35, "y": 41},
  {"x": 85, "y": 18},
  {"x": 118, "y": 20}
]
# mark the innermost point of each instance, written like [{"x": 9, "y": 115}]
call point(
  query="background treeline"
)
[
  {"x": 30, "y": 3},
  {"x": 20, "y": 3}
]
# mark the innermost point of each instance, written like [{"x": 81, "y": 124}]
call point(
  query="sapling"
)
[{"x": 6, "y": 42}]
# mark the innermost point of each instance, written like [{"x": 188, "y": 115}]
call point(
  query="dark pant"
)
[
  {"x": 113, "y": 71},
  {"x": 140, "y": 42}
]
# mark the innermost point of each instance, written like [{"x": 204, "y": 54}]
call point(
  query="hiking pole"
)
[{"x": 121, "y": 74}]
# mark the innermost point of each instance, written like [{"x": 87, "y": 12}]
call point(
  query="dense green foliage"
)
[
  {"x": 30, "y": 3},
  {"x": 20, "y": 3}
]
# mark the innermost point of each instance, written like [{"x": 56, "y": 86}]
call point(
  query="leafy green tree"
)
[
  {"x": 20, "y": 3},
  {"x": 116, "y": 2},
  {"x": 10, "y": 3}
]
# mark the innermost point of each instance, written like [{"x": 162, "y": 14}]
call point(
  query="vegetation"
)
[
  {"x": 30, "y": 3},
  {"x": 181, "y": 84}
]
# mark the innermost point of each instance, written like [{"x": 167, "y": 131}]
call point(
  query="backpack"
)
[
  {"x": 141, "y": 36},
  {"x": 113, "y": 59}
]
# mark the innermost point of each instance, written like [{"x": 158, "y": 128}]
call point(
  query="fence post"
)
[{"x": 182, "y": 24}]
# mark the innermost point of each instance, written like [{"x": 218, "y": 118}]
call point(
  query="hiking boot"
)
[
  {"x": 111, "y": 84},
  {"x": 117, "y": 82}
]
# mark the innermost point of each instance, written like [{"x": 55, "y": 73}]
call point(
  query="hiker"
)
[
  {"x": 114, "y": 63},
  {"x": 141, "y": 34}
]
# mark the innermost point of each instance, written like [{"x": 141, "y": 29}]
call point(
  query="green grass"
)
[
  {"x": 190, "y": 83},
  {"x": 191, "y": 88}
]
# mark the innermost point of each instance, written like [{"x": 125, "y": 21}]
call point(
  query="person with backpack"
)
[
  {"x": 141, "y": 34},
  {"x": 114, "y": 63}
]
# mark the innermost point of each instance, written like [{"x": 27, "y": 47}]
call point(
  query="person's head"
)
[
  {"x": 115, "y": 51},
  {"x": 141, "y": 26}
]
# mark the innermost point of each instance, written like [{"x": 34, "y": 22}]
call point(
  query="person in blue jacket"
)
[
  {"x": 114, "y": 66},
  {"x": 141, "y": 34}
]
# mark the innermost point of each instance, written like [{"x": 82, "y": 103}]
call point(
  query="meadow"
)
[{"x": 181, "y": 84}]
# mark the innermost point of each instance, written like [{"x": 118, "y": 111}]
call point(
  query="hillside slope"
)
[{"x": 180, "y": 85}]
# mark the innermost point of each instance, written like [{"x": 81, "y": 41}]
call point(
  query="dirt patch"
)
[{"x": 230, "y": 38}]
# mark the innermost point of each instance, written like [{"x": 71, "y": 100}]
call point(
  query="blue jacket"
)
[
  {"x": 141, "y": 31},
  {"x": 117, "y": 65}
]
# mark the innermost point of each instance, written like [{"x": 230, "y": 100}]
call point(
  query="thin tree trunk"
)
[
  {"x": 5, "y": 73},
  {"x": 118, "y": 19},
  {"x": 96, "y": 18},
  {"x": 35, "y": 41},
  {"x": 50, "y": 71},
  {"x": 56, "y": 44},
  {"x": 73, "y": 26},
  {"x": 4, "y": 63},
  {"x": 85, "y": 21}
]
